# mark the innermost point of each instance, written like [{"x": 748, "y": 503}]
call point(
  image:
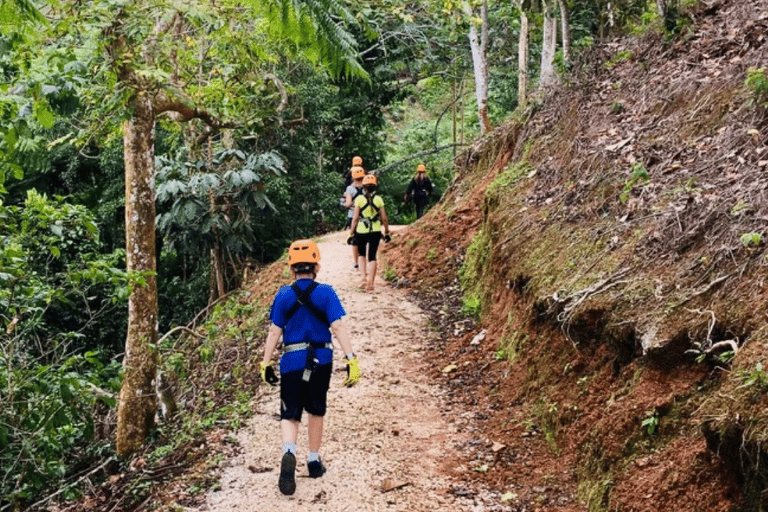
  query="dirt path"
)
[{"x": 386, "y": 445}]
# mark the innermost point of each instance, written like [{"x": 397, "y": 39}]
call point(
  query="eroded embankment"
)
[{"x": 612, "y": 242}]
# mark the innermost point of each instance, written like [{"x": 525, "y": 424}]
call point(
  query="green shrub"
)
[
  {"x": 639, "y": 174},
  {"x": 757, "y": 82},
  {"x": 47, "y": 419}
]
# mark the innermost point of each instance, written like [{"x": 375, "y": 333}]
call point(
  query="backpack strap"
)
[{"x": 303, "y": 299}]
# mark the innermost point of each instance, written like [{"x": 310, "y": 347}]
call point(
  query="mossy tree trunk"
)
[
  {"x": 548, "y": 45},
  {"x": 137, "y": 405}
]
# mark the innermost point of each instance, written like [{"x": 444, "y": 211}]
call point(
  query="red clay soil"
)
[{"x": 577, "y": 423}]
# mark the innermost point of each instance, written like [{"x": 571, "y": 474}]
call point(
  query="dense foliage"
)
[{"x": 62, "y": 306}]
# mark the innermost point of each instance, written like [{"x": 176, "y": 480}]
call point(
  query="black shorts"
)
[
  {"x": 368, "y": 244},
  {"x": 297, "y": 396}
]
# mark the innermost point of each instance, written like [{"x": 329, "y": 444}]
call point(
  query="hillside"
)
[{"x": 611, "y": 242}]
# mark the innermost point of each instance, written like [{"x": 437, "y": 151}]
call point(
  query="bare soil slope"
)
[{"x": 605, "y": 238}]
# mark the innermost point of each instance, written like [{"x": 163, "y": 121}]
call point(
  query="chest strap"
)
[{"x": 303, "y": 299}]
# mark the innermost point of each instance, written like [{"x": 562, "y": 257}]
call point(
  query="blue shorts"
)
[{"x": 297, "y": 396}]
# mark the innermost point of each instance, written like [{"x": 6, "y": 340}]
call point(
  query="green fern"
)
[{"x": 317, "y": 27}]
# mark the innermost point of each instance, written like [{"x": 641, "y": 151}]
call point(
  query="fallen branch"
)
[
  {"x": 66, "y": 487},
  {"x": 415, "y": 156},
  {"x": 177, "y": 329},
  {"x": 706, "y": 288}
]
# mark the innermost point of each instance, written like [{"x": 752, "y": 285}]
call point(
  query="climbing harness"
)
[
  {"x": 369, "y": 221},
  {"x": 303, "y": 299}
]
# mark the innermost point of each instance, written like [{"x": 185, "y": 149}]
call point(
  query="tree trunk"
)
[
  {"x": 219, "y": 287},
  {"x": 565, "y": 28},
  {"x": 548, "y": 45},
  {"x": 478, "y": 44},
  {"x": 522, "y": 60},
  {"x": 137, "y": 405}
]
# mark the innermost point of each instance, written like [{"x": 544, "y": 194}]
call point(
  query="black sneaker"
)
[
  {"x": 287, "y": 481},
  {"x": 316, "y": 469}
]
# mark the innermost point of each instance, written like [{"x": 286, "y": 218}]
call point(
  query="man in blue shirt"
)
[{"x": 305, "y": 314}]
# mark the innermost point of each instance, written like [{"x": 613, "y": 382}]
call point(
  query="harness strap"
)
[
  {"x": 303, "y": 299},
  {"x": 303, "y": 346},
  {"x": 369, "y": 202}
]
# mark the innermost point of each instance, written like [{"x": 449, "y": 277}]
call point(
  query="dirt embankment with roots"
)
[{"x": 612, "y": 244}]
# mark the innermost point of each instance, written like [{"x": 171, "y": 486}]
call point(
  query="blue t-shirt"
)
[{"x": 303, "y": 325}]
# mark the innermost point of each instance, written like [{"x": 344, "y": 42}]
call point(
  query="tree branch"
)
[{"x": 415, "y": 156}]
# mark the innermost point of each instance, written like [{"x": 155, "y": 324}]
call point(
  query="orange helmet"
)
[
  {"x": 357, "y": 172},
  {"x": 370, "y": 179},
  {"x": 421, "y": 168},
  {"x": 303, "y": 251},
  {"x": 357, "y": 160}
]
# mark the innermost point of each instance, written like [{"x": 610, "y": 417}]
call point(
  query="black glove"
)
[
  {"x": 351, "y": 240},
  {"x": 387, "y": 238}
]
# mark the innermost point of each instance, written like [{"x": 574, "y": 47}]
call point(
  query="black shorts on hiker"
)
[
  {"x": 368, "y": 244},
  {"x": 297, "y": 396}
]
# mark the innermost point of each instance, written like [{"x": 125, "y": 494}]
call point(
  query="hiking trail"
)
[{"x": 386, "y": 445}]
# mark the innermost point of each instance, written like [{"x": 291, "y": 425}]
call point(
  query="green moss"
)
[
  {"x": 548, "y": 415},
  {"x": 471, "y": 272},
  {"x": 619, "y": 57},
  {"x": 507, "y": 179},
  {"x": 512, "y": 341}
]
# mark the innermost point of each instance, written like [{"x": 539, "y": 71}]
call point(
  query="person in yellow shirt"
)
[{"x": 367, "y": 221}]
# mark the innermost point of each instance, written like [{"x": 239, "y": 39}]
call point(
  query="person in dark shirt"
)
[{"x": 419, "y": 189}]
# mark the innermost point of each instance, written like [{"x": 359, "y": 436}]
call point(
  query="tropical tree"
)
[
  {"x": 522, "y": 57},
  {"x": 136, "y": 64},
  {"x": 478, "y": 43},
  {"x": 18, "y": 19}
]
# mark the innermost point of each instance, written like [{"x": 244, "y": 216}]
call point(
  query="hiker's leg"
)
[
  {"x": 361, "y": 259},
  {"x": 314, "y": 432},
  {"x": 289, "y": 430},
  {"x": 372, "y": 265}
]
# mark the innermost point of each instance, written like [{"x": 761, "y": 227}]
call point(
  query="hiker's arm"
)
[
  {"x": 341, "y": 332},
  {"x": 273, "y": 337},
  {"x": 347, "y": 200},
  {"x": 355, "y": 218},
  {"x": 384, "y": 220}
]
